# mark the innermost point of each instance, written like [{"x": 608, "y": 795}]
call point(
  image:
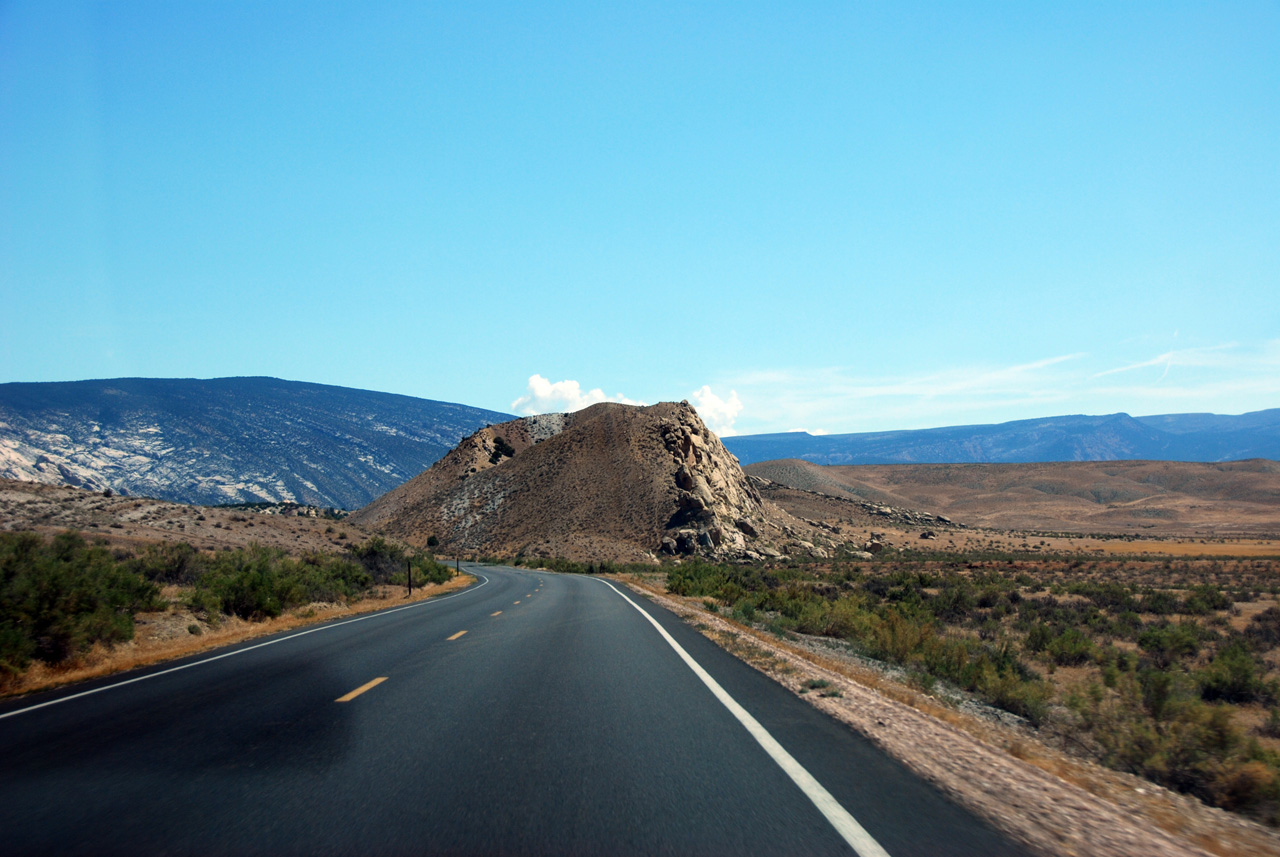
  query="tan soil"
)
[
  {"x": 131, "y": 522},
  {"x": 1053, "y": 803},
  {"x": 1238, "y": 499}
]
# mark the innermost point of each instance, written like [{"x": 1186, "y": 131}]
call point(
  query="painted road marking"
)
[
  {"x": 496, "y": 613},
  {"x": 457, "y": 635},
  {"x": 361, "y": 689},
  {"x": 844, "y": 823},
  {"x": 318, "y": 628},
  {"x": 515, "y": 602}
]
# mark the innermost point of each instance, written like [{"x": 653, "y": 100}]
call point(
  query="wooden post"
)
[{"x": 408, "y": 567}]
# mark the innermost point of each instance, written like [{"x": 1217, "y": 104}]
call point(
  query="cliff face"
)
[{"x": 609, "y": 482}]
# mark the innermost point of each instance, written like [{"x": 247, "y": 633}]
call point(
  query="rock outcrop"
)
[{"x": 612, "y": 481}]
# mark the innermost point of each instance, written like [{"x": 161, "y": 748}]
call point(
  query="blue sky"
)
[{"x": 831, "y": 216}]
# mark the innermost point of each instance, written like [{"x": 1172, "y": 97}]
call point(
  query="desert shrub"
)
[
  {"x": 260, "y": 582},
  {"x": 59, "y": 598},
  {"x": 1108, "y": 596},
  {"x": 1263, "y": 631},
  {"x": 1071, "y": 647},
  {"x": 954, "y": 603},
  {"x": 169, "y": 562},
  {"x": 501, "y": 449},
  {"x": 381, "y": 558},
  {"x": 1234, "y": 676},
  {"x": 1166, "y": 644},
  {"x": 1160, "y": 602},
  {"x": 1205, "y": 599},
  {"x": 1192, "y": 747}
]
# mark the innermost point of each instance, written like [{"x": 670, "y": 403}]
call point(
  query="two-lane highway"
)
[{"x": 530, "y": 714}]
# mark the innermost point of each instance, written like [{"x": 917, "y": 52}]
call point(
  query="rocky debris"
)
[{"x": 891, "y": 514}]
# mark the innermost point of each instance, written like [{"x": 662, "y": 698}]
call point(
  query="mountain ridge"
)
[
  {"x": 225, "y": 440},
  {"x": 1076, "y": 437}
]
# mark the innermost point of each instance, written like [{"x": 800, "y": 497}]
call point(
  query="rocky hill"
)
[
  {"x": 225, "y": 440},
  {"x": 612, "y": 481},
  {"x": 1170, "y": 437}
]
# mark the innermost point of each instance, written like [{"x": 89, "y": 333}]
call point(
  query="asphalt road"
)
[{"x": 561, "y": 722}]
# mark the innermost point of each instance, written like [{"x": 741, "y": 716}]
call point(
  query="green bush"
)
[
  {"x": 1070, "y": 648},
  {"x": 260, "y": 582},
  {"x": 1166, "y": 644},
  {"x": 60, "y": 598},
  {"x": 1234, "y": 676}
]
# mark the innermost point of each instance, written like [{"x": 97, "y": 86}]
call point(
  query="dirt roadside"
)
[{"x": 1053, "y": 803}]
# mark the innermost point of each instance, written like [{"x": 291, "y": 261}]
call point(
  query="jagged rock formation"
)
[{"x": 608, "y": 482}]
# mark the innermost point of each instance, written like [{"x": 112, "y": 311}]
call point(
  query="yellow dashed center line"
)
[
  {"x": 361, "y": 689},
  {"x": 515, "y": 602},
  {"x": 496, "y": 613},
  {"x": 457, "y": 635}
]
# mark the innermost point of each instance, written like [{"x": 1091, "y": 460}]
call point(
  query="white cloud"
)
[
  {"x": 719, "y": 414},
  {"x": 545, "y": 397}
]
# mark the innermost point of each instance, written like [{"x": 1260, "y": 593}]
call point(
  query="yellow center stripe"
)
[
  {"x": 496, "y": 613},
  {"x": 457, "y": 635},
  {"x": 361, "y": 689}
]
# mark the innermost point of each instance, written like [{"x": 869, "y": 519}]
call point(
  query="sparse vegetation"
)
[
  {"x": 59, "y": 597},
  {"x": 501, "y": 450},
  {"x": 1138, "y": 663}
]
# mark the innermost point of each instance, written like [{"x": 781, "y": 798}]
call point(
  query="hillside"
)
[
  {"x": 225, "y": 440},
  {"x": 1170, "y": 437},
  {"x": 1160, "y": 497},
  {"x": 609, "y": 482}
]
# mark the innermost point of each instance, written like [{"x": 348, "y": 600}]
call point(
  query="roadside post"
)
[{"x": 408, "y": 568}]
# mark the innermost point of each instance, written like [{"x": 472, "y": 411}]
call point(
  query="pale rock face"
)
[{"x": 715, "y": 495}]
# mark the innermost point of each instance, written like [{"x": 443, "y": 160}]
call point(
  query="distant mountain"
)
[
  {"x": 1171, "y": 437},
  {"x": 226, "y": 440}
]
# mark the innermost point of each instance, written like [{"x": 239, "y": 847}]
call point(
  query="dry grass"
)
[{"x": 147, "y": 649}]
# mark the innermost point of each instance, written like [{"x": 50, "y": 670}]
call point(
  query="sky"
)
[{"x": 835, "y": 217}]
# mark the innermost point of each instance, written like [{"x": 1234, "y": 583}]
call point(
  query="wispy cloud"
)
[
  {"x": 545, "y": 397},
  {"x": 1227, "y": 378},
  {"x": 1208, "y": 356}
]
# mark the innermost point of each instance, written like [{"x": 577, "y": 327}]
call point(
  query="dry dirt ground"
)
[
  {"x": 858, "y": 525},
  {"x": 128, "y": 522},
  {"x": 1054, "y": 803},
  {"x": 1234, "y": 499}
]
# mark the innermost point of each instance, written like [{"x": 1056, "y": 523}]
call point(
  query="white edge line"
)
[
  {"x": 387, "y": 612},
  {"x": 844, "y": 823}
]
